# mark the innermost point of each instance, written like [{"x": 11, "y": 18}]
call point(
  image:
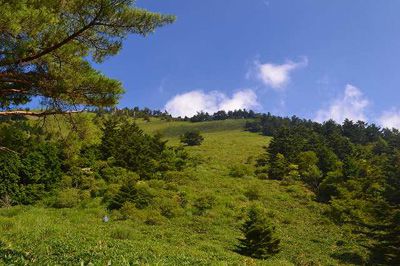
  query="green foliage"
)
[
  {"x": 29, "y": 166},
  {"x": 10, "y": 165},
  {"x": 67, "y": 198},
  {"x": 203, "y": 204},
  {"x": 292, "y": 175},
  {"x": 240, "y": 170},
  {"x": 259, "y": 236},
  {"x": 192, "y": 138},
  {"x": 308, "y": 169},
  {"x": 253, "y": 193},
  {"x": 134, "y": 191},
  {"x": 48, "y": 54},
  {"x": 154, "y": 218},
  {"x": 121, "y": 234},
  {"x": 127, "y": 146},
  {"x": 278, "y": 167},
  {"x": 46, "y": 236},
  {"x": 353, "y": 167},
  {"x": 171, "y": 207}
]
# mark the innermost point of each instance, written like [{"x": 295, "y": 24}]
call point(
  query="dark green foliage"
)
[
  {"x": 133, "y": 191},
  {"x": 47, "y": 55},
  {"x": 387, "y": 247},
  {"x": 30, "y": 166},
  {"x": 222, "y": 115},
  {"x": 278, "y": 167},
  {"x": 192, "y": 138},
  {"x": 10, "y": 164},
  {"x": 34, "y": 160},
  {"x": 353, "y": 167},
  {"x": 259, "y": 236},
  {"x": 127, "y": 146}
]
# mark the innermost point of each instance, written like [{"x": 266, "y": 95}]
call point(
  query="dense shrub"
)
[
  {"x": 204, "y": 203},
  {"x": 10, "y": 165},
  {"x": 67, "y": 198},
  {"x": 129, "y": 211},
  {"x": 240, "y": 170},
  {"x": 26, "y": 178},
  {"x": 154, "y": 218},
  {"x": 170, "y": 207},
  {"x": 192, "y": 138},
  {"x": 130, "y": 148},
  {"x": 132, "y": 191}
]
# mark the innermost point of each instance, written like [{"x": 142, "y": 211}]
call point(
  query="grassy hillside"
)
[{"x": 41, "y": 235}]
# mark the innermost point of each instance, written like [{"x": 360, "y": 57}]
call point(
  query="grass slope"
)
[{"x": 38, "y": 235}]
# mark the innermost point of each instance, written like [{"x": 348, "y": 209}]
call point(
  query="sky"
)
[{"x": 314, "y": 59}]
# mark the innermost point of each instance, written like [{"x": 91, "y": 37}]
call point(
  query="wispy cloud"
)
[
  {"x": 351, "y": 105},
  {"x": 277, "y": 76},
  {"x": 189, "y": 103},
  {"x": 390, "y": 119}
]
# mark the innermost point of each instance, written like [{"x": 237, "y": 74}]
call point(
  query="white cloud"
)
[
  {"x": 277, "y": 76},
  {"x": 390, "y": 119},
  {"x": 351, "y": 105},
  {"x": 189, "y": 103}
]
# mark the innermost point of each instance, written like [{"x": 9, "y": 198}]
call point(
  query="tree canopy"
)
[{"x": 46, "y": 47}]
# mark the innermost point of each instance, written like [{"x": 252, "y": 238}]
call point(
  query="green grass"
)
[
  {"x": 40, "y": 236},
  {"x": 173, "y": 129}
]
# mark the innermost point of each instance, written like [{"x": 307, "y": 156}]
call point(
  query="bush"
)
[
  {"x": 116, "y": 174},
  {"x": 129, "y": 211},
  {"x": 170, "y": 208},
  {"x": 192, "y": 138},
  {"x": 253, "y": 192},
  {"x": 259, "y": 240},
  {"x": 204, "y": 203},
  {"x": 67, "y": 198},
  {"x": 132, "y": 191},
  {"x": 240, "y": 170},
  {"x": 26, "y": 177},
  {"x": 154, "y": 218}
]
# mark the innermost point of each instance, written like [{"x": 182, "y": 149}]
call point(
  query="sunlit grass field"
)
[{"x": 44, "y": 236}]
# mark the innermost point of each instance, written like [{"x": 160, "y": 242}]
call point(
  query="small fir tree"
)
[
  {"x": 259, "y": 240},
  {"x": 192, "y": 138}
]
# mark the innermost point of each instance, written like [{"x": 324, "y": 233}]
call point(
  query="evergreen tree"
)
[
  {"x": 259, "y": 236},
  {"x": 192, "y": 138},
  {"x": 46, "y": 48},
  {"x": 278, "y": 167},
  {"x": 132, "y": 191}
]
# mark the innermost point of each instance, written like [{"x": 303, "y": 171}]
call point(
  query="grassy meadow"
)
[{"x": 39, "y": 235}]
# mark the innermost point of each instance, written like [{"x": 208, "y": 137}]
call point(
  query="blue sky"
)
[{"x": 315, "y": 59}]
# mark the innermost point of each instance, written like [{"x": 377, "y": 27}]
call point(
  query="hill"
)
[{"x": 42, "y": 235}]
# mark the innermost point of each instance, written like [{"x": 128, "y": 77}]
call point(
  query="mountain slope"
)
[{"x": 43, "y": 235}]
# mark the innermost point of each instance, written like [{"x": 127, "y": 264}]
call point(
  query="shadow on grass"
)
[{"x": 349, "y": 258}]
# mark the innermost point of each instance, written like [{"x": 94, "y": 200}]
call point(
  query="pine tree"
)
[
  {"x": 192, "y": 138},
  {"x": 47, "y": 47},
  {"x": 259, "y": 240}
]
